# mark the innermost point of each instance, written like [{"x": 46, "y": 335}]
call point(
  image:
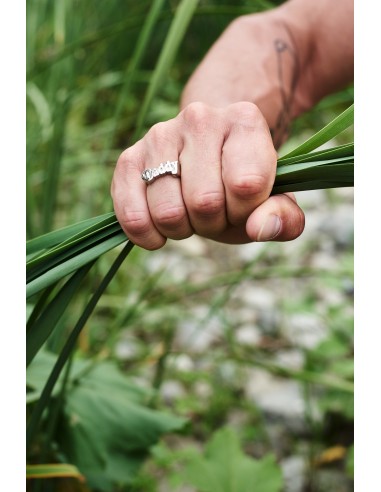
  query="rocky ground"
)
[{"x": 280, "y": 318}]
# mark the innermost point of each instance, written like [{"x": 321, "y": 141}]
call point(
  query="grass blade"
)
[
  {"x": 179, "y": 25},
  {"x": 59, "y": 254},
  {"x": 55, "y": 470},
  {"x": 70, "y": 344},
  {"x": 71, "y": 265},
  {"x": 141, "y": 47},
  {"x": 56, "y": 237},
  {"x": 336, "y": 126},
  {"x": 39, "y": 332},
  {"x": 340, "y": 151}
]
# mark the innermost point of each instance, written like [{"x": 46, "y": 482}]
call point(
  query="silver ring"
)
[{"x": 170, "y": 167}]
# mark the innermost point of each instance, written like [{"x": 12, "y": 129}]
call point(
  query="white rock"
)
[
  {"x": 250, "y": 251},
  {"x": 171, "y": 390},
  {"x": 249, "y": 335},
  {"x": 277, "y": 396},
  {"x": 305, "y": 330},
  {"x": 181, "y": 362},
  {"x": 293, "y": 469},
  {"x": 290, "y": 359},
  {"x": 324, "y": 261},
  {"x": 339, "y": 225},
  {"x": 255, "y": 297},
  {"x": 126, "y": 349}
]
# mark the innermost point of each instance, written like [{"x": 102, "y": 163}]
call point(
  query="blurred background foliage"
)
[{"x": 131, "y": 381}]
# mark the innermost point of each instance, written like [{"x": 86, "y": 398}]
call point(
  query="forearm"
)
[
  {"x": 326, "y": 28},
  {"x": 284, "y": 60}
]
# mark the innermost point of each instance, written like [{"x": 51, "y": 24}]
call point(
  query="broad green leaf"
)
[
  {"x": 106, "y": 429},
  {"x": 42, "y": 365},
  {"x": 225, "y": 468}
]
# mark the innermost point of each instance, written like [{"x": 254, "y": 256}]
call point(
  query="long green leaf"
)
[
  {"x": 336, "y": 126},
  {"x": 340, "y": 151},
  {"x": 315, "y": 176},
  {"x": 61, "y": 253},
  {"x": 45, "y": 324},
  {"x": 140, "y": 49},
  {"x": 70, "y": 344},
  {"x": 73, "y": 264},
  {"x": 56, "y": 237},
  {"x": 178, "y": 28},
  {"x": 55, "y": 470}
]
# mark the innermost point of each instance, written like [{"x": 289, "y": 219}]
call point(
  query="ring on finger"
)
[{"x": 169, "y": 167}]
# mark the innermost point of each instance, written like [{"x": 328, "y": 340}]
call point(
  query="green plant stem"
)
[
  {"x": 169, "y": 333},
  {"x": 182, "y": 18},
  {"x": 69, "y": 346},
  {"x": 54, "y": 412},
  {"x": 327, "y": 380},
  {"x": 141, "y": 47},
  {"x": 45, "y": 324},
  {"x": 179, "y": 291},
  {"x": 39, "y": 306}
]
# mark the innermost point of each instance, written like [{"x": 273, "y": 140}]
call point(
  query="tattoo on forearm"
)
[{"x": 283, "y": 50}]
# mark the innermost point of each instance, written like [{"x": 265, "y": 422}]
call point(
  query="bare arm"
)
[{"x": 284, "y": 60}]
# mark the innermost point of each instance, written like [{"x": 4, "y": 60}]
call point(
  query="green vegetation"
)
[{"x": 102, "y": 420}]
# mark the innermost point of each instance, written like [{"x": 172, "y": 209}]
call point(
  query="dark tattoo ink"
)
[{"x": 283, "y": 50}]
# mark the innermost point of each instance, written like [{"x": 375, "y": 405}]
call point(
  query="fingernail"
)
[{"x": 270, "y": 228}]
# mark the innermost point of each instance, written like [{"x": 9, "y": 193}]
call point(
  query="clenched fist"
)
[{"x": 228, "y": 165}]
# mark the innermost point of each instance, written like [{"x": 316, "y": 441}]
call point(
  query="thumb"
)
[{"x": 279, "y": 218}]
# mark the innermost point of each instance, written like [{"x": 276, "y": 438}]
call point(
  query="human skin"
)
[{"x": 264, "y": 70}]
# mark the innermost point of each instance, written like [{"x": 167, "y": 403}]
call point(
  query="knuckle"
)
[
  {"x": 197, "y": 116},
  {"x": 245, "y": 186},
  {"x": 169, "y": 216},
  {"x": 246, "y": 109},
  {"x": 159, "y": 135},
  {"x": 127, "y": 161},
  {"x": 126, "y": 157},
  {"x": 208, "y": 204},
  {"x": 135, "y": 222},
  {"x": 247, "y": 115}
]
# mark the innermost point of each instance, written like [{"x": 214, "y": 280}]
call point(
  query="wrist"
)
[
  {"x": 323, "y": 37},
  {"x": 293, "y": 32}
]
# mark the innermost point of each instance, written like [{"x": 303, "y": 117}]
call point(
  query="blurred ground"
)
[{"x": 221, "y": 347}]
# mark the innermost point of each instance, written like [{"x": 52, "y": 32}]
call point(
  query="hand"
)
[{"x": 228, "y": 165}]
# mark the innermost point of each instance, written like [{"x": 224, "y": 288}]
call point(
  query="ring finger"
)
[{"x": 164, "y": 196}]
